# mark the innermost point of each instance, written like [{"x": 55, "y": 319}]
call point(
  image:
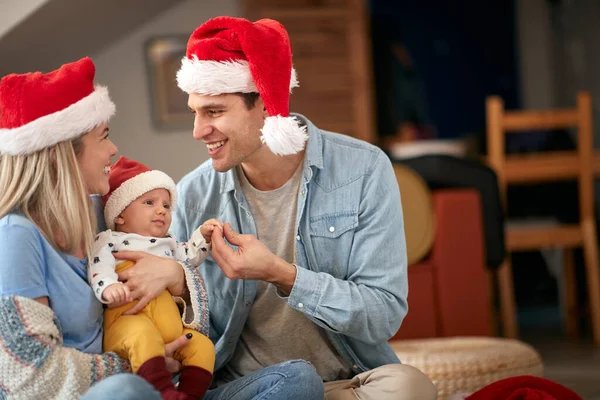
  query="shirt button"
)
[
  {"x": 248, "y": 213},
  {"x": 300, "y": 305},
  {"x": 298, "y": 237},
  {"x": 331, "y": 229},
  {"x": 355, "y": 366},
  {"x": 303, "y": 192}
]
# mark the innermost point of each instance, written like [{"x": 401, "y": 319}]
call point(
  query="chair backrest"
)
[{"x": 549, "y": 166}]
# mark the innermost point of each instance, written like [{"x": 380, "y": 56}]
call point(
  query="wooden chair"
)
[{"x": 548, "y": 167}]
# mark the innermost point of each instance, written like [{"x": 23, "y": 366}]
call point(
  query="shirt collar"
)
[{"x": 312, "y": 157}]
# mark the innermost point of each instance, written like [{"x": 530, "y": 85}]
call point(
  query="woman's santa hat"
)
[
  {"x": 129, "y": 180},
  {"x": 233, "y": 55},
  {"x": 40, "y": 110}
]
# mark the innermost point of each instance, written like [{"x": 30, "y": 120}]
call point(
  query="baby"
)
[{"x": 138, "y": 216}]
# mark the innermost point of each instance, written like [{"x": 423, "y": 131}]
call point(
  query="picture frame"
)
[{"x": 168, "y": 102}]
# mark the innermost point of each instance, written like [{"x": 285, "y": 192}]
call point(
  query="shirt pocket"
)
[{"x": 332, "y": 236}]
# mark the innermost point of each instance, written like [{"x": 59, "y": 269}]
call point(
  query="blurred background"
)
[{"x": 413, "y": 78}]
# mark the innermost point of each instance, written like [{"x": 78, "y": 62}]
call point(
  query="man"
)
[{"x": 318, "y": 272}]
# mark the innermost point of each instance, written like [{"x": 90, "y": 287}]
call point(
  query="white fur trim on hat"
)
[
  {"x": 69, "y": 123},
  {"x": 284, "y": 135},
  {"x": 133, "y": 188},
  {"x": 218, "y": 77}
]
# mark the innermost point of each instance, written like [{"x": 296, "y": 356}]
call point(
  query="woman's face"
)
[{"x": 94, "y": 159}]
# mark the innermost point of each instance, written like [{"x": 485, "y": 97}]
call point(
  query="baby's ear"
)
[{"x": 119, "y": 220}]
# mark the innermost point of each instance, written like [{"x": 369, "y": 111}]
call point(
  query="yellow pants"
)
[{"x": 141, "y": 337}]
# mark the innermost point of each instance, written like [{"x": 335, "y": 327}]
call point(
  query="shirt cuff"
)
[{"x": 306, "y": 292}]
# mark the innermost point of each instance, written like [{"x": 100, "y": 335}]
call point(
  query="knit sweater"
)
[{"x": 35, "y": 365}]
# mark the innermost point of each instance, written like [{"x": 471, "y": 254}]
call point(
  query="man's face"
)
[{"x": 230, "y": 131}]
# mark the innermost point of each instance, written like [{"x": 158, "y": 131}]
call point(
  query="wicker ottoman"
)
[{"x": 466, "y": 364}]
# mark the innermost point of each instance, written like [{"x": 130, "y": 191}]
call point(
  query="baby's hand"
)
[
  {"x": 208, "y": 227},
  {"x": 116, "y": 295}
]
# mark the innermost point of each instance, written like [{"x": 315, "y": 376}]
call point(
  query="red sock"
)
[
  {"x": 156, "y": 373},
  {"x": 194, "y": 381}
]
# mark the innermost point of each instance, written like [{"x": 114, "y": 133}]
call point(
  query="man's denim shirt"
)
[{"x": 350, "y": 248}]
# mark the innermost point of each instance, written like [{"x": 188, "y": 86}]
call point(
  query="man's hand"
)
[
  {"x": 252, "y": 260},
  {"x": 116, "y": 295},
  {"x": 149, "y": 277},
  {"x": 208, "y": 227}
]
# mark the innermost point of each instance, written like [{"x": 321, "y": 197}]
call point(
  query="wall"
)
[
  {"x": 558, "y": 54},
  {"x": 122, "y": 68},
  {"x": 15, "y": 11},
  {"x": 534, "y": 39},
  {"x": 576, "y": 58}
]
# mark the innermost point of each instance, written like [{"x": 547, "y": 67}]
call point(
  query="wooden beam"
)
[
  {"x": 533, "y": 238},
  {"x": 519, "y": 121},
  {"x": 561, "y": 163}
]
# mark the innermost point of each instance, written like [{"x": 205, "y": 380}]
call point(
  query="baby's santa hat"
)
[
  {"x": 234, "y": 55},
  {"x": 40, "y": 110},
  {"x": 129, "y": 180}
]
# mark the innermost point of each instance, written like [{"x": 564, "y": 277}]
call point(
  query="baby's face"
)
[{"x": 148, "y": 215}]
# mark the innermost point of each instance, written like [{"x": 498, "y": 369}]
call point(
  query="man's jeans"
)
[
  {"x": 290, "y": 380},
  {"x": 122, "y": 387}
]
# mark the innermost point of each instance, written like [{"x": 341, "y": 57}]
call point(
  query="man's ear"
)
[{"x": 261, "y": 104}]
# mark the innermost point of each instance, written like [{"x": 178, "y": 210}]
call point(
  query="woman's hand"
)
[
  {"x": 170, "y": 348},
  {"x": 149, "y": 276}
]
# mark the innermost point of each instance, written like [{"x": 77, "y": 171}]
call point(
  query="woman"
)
[{"x": 54, "y": 153}]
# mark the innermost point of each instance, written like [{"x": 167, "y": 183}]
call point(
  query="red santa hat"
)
[
  {"x": 40, "y": 110},
  {"x": 232, "y": 55},
  {"x": 129, "y": 180},
  {"x": 524, "y": 388}
]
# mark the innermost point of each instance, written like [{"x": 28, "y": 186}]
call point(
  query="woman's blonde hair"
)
[{"x": 47, "y": 187}]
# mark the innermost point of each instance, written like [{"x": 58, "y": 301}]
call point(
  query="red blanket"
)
[{"x": 524, "y": 388}]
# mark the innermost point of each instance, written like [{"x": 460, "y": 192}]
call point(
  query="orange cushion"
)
[{"x": 417, "y": 208}]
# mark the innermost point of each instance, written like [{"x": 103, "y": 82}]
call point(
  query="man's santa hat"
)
[
  {"x": 129, "y": 180},
  {"x": 40, "y": 110},
  {"x": 233, "y": 55}
]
